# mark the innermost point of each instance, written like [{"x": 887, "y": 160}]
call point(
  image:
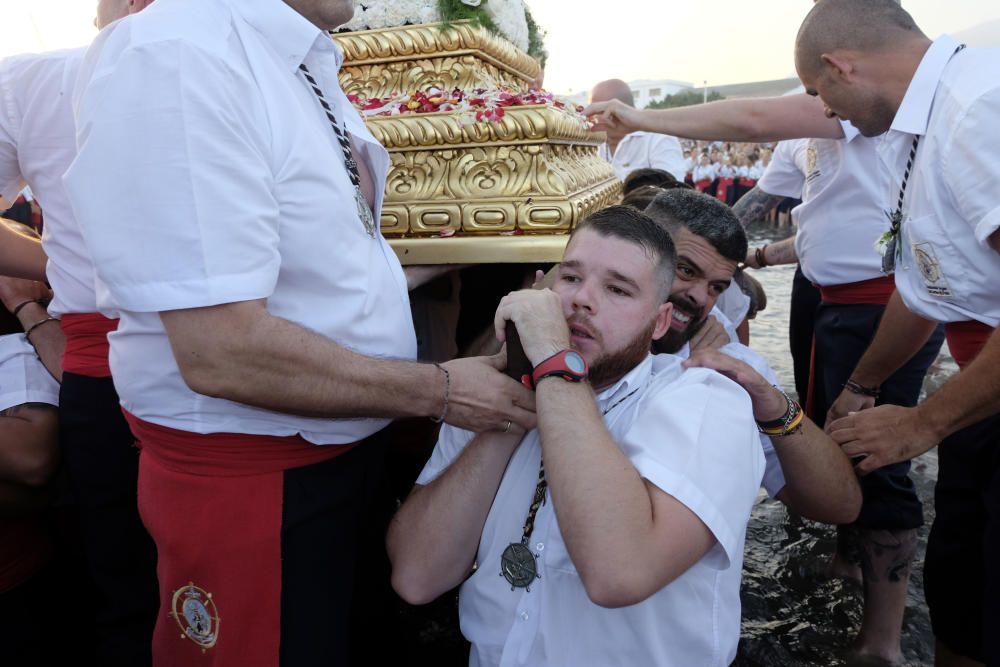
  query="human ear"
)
[{"x": 663, "y": 315}]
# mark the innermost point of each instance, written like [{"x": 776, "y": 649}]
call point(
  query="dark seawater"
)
[{"x": 793, "y": 614}]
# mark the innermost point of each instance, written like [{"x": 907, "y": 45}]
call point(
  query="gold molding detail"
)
[
  {"x": 433, "y": 40},
  {"x": 465, "y": 192},
  {"x": 519, "y": 125}
]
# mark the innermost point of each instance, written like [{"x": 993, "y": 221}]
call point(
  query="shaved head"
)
[
  {"x": 863, "y": 26},
  {"x": 612, "y": 89}
]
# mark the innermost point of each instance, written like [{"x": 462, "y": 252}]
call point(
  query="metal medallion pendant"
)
[
  {"x": 364, "y": 212},
  {"x": 518, "y": 566},
  {"x": 889, "y": 256}
]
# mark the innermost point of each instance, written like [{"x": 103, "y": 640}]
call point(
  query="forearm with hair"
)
[
  {"x": 754, "y": 205},
  {"x": 752, "y": 120},
  {"x": 782, "y": 252},
  {"x": 21, "y": 256},
  {"x": 47, "y": 339}
]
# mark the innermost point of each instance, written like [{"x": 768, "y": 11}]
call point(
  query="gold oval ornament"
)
[{"x": 196, "y": 614}]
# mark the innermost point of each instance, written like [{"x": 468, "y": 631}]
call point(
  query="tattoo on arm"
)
[
  {"x": 754, "y": 205},
  {"x": 782, "y": 252},
  {"x": 16, "y": 410}
]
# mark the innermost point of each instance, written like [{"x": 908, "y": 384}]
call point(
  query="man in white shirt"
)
[
  {"x": 635, "y": 150},
  {"x": 630, "y": 559},
  {"x": 37, "y": 145},
  {"x": 805, "y": 470},
  {"x": 939, "y": 112},
  {"x": 229, "y": 196}
]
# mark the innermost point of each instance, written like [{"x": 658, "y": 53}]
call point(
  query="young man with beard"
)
[
  {"x": 805, "y": 470},
  {"x": 620, "y": 549}
]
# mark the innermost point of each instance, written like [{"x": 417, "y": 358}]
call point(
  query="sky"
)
[{"x": 718, "y": 41}]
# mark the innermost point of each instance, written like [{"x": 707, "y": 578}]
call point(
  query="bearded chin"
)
[
  {"x": 672, "y": 341},
  {"x": 609, "y": 368}
]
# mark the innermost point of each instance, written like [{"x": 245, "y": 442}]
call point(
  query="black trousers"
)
[
  {"x": 801, "y": 319},
  {"x": 334, "y": 572},
  {"x": 962, "y": 565},
  {"x": 102, "y": 462},
  {"x": 843, "y": 333}
]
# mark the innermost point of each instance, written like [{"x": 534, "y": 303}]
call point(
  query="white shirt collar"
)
[
  {"x": 915, "y": 109},
  {"x": 631, "y": 381},
  {"x": 289, "y": 33}
]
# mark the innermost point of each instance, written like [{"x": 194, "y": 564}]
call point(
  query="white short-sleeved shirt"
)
[
  {"x": 734, "y": 303},
  {"x": 774, "y": 476},
  {"x": 207, "y": 173},
  {"x": 948, "y": 272},
  {"x": 842, "y": 213},
  {"x": 705, "y": 172},
  {"x": 23, "y": 378},
  {"x": 668, "y": 431},
  {"x": 37, "y": 145},
  {"x": 639, "y": 150}
]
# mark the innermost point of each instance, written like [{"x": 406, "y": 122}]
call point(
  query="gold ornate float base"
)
[{"x": 466, "y": 192}]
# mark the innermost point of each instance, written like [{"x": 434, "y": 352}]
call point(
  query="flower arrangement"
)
[
  {"x": 508, "y": 18},
  {"x": 479, "y": 105}
]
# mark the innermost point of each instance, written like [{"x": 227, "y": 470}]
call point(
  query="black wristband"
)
[
  {"x": 18, "y": 307},
  {"x": 860, "y": 389}
]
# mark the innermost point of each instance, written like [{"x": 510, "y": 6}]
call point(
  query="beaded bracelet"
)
[{"x": 447, "y": 394}]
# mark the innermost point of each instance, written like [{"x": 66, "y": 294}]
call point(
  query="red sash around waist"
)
[
  {"x": 966, "y": 339},
  {"x": 874, "y": 292},
  {"x": 746, "y": 182},
  {"x": 86, "y": 351},
  {"x": 701, "y": 184},
  {"x": 721, "y": 188},
  {"x": 228, "y": 454}
]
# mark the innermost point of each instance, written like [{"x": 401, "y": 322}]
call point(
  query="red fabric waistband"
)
[
  {"x": 228, "y": 454},
  {"x": 874, "y": 292},
  {"x": 86, "y": 351},
  {"x": 966, "y": 339},
  {"x": 746, "y": 182}
]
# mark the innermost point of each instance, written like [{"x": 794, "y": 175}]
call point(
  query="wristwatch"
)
[{"x": 567, "y": 364}]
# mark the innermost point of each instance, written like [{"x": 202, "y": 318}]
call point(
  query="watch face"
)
[{"x": 575, "y": 362}]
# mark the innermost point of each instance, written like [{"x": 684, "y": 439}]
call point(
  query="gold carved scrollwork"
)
[
  {"x": 433, "y": 41},
  {"x": 461, "y": 191},
  {"x": 519, "y": 124}
]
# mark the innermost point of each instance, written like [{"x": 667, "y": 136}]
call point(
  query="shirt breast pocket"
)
[
  {"x": 549, "y": 547},
  {"x": 934, "y": 256}
]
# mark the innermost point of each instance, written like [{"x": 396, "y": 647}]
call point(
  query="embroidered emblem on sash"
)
[
  {"x": 195, "y": 612},
  {"x": 930, "y": 270}
]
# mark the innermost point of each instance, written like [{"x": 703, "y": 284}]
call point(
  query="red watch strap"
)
[{"x": 556, "y": 365}]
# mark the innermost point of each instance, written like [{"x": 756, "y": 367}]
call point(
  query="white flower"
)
[{"x": 508, "y": 15}]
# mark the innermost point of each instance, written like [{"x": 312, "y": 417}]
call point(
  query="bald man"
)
[
  {"x": 628, "y": 151},
  {"x": 938, "y": 103}
]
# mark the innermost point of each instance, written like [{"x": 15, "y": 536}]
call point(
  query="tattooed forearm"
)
[
  {"x": 754, "y": 205},
  {"x": 782, "y": 252}
]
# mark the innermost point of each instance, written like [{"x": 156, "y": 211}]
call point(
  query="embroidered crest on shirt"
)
[
  {"x": 194, "y": 610},
  {"x": 930, "y": 269},
  {"x": 812, "y": 157}
]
